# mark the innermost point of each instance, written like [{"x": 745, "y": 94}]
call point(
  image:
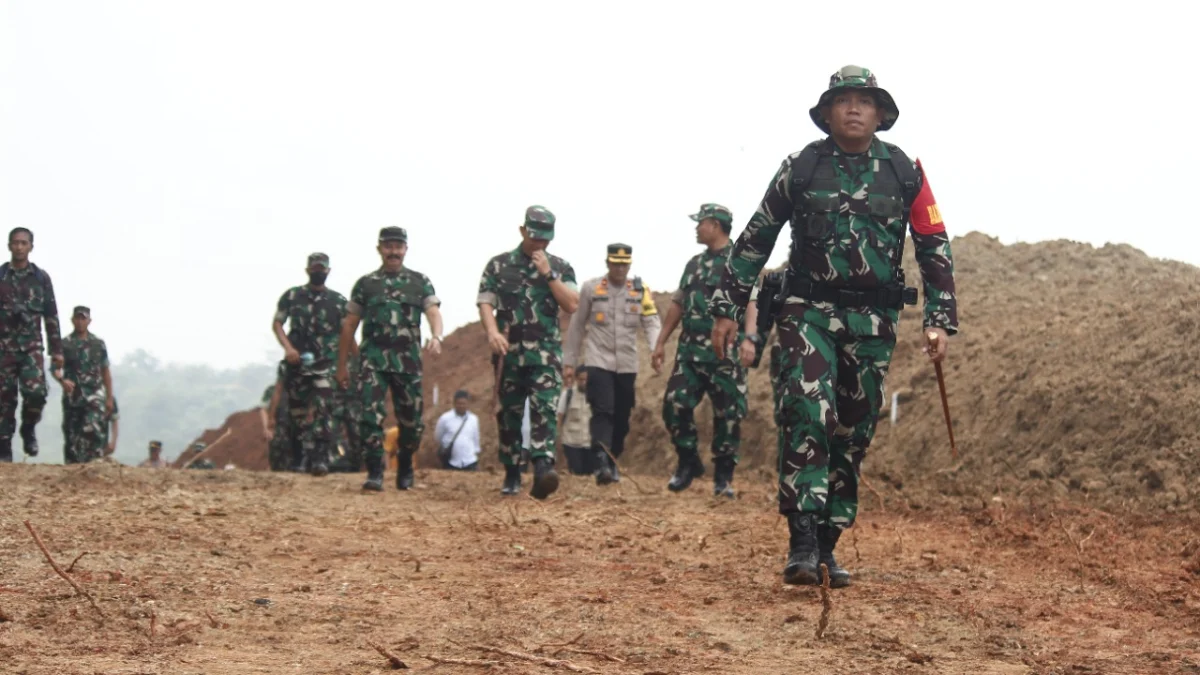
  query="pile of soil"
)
[{"x": 1072, "y": 374}]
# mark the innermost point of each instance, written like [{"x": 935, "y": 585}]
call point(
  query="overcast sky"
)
[{"x": 178, "y": 161}]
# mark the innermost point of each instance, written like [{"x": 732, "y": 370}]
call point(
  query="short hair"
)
[
  {"x": 460, "y": 394},
  {"x": 727, "y": 228},
  {"x": 17, "y": 230}
]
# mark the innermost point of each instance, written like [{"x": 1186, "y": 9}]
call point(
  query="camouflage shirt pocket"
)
[{"x": 821, "y": 216}]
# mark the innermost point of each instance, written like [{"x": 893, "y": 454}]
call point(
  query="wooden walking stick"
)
[{"x": 937, "y": 366}]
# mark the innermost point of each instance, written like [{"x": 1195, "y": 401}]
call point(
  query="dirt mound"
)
[
  {"x": 238, "y": 441},
  {"x": 1073, "y": 373}
]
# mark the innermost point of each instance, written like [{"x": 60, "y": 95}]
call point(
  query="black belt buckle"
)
[
  {"x": 910, "y": 295},
  {"x": 849, "y": 298}
]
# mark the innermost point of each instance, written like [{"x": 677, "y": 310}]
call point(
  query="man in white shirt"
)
[{"x": 457, "y": 434}]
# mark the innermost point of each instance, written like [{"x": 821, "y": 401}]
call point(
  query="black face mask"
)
[{"x": 317, "y": 278}]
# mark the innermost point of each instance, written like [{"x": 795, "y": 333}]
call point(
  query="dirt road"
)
[{"x": 239, "y": 572}]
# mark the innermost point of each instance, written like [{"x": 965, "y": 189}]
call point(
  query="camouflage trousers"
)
[
  {"x": 542, "y": 385},
  {"x": 280, "y": 450},
  {"x": 85, "y": 427},
  {"x": 24, "y": 373},
  {"x": 828, "y": 390},
  {"x": 310, "y": 413},
  {"x": 725, "y": 384},
  {"x": 408, "y": 403},
  {"x": 347, "y": 416}
]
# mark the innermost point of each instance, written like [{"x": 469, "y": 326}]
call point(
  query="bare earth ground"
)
[{"x": 246, "y": 572}]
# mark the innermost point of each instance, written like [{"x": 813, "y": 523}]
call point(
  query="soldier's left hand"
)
[
  {"x": 541, "y": 262},
  {"x": 112, "y": 447},
  {"x": 108, "y": 405},
  {"x": 57, "y": 361},
  {"x": 936, "y": 343},
  {"x": 723, "y": 335},
  {"x": 746, "y": 353},
  {"x": 434, "y": 347}
]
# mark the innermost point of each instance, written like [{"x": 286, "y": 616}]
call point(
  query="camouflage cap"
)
[
  {"x": 620, "y": 253},
  {"x": 855, "y": 77},
  {"x": 156, "y": 445},
  {"x": 722, "y": 214},
  {"x": 393, "y": 234},
  {"x": 80, "y": 310},
  {"x": 539, "y": 222},
  {"x": 318, "y": 259}
]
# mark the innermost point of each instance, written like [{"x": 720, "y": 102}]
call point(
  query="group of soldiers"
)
[
  {"x": 851, "y": 200},
  {"x": 79, "y": 363}
]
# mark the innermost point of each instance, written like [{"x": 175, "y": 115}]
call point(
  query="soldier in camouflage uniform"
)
[
  {"x": 526, "y": 288},
  {"x": 389, "y": 303},
  {"x": 698, "y": 370},
  {"x": 849, "y": 197},
  {"x": 26, "y": 300},
  {"x": 314, "y": 314},
  {"x": 274, "y": 416},
  {"x": 87, "y": 392}
]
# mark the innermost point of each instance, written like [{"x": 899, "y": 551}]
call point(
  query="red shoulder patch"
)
[{"x": 926, "y": 218}]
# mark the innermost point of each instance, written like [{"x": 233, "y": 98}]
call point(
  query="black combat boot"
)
[
  {"x": 374, "y": 474},
  {"x": 404, "y": 471},
  {"x": 827, "y": 539},
  {"x": 723, "y": 477},
  {"x": 28, "y": 439},
  {"x": 604, "y": 472},
  {"x": 802, "y": 564},
  {"x": 5, "y": 449},
  {"x": 690, "y": 468},
  {"x": 512, "y": 480},
  {"x": 545, "y": 478},
  {"x": 616, "y": 473}
]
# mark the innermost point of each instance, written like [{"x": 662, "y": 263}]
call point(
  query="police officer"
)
[
  {"x": 849, "y": 197},
  {"x": 611, "y": 308}
]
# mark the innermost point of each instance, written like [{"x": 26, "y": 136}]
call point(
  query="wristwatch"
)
[
  {"x": 552, "y": 275},
  {"x": 755, "y": 339}
]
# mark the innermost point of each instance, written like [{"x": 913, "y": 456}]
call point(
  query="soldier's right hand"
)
[
  {"x": 498, "y": 343},
  {"x": 342, "y": 376},
  {"x": 657, "y": 358},
  {"x": 68, "y": 387},
  {"x": 269, "y": 432},
  {"x": 291, "y": 355}
]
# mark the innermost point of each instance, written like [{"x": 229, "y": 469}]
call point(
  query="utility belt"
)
[
  {"x": 525, "y": 333},
  {"x": 892, "y": 296}
]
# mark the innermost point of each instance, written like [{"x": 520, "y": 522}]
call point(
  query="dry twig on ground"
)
[
  {"x": 396, "y": 662},
  {"x": 588, "y": 652},
  {"x": 553, "y": 663},
  {"x": 1077, "y": 544},
  {"x": 71, "y": 567},
  {"x": 50, "y": 559},
  {"x": 826, "y": 602},
  {"x": 438, "y": 660}
]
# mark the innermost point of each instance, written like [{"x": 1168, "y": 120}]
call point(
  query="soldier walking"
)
[
  {"x": 698, "y": 370},
  {"x": 314, "y": 315},
  {"x": 521, "y": 294},
  {"x": 389, "y": 303},
  {"x": 26, "y": 300},
  {"x": 849, "y": 197},
  {"x": 611, "y": 308},
  {"x": 87, "y": 392}
]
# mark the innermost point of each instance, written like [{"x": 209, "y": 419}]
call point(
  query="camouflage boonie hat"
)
[
  {"x": 722, "y": 214},
  {"x": 621, "y": 254},
  {"x": 318, "y": 259},
  {"x": 393, "y": 234},
  {"x": 855, "y": 77},
  {"x": 539, "y": 221},
  {"x": 82, "y": 311}
]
